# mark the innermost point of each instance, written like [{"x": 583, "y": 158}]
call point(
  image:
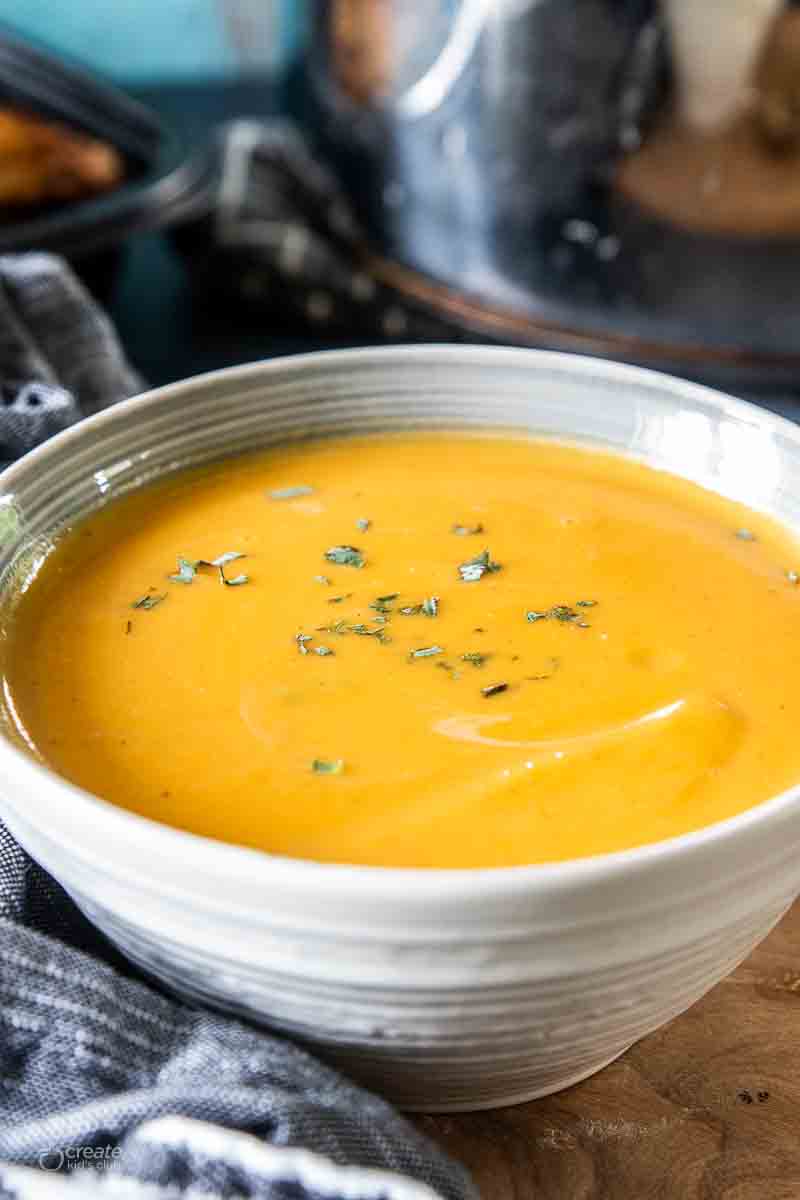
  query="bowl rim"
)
[{"x": 426, "y": 884}]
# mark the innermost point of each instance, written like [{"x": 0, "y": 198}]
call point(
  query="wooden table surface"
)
[{"x": 707, "y": 1108}]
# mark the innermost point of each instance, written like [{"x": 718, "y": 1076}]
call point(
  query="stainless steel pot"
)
[
  {"x": 459, "y": 125},
  {"x": 497, "y": 155}
]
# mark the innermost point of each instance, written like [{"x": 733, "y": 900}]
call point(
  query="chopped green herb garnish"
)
[
  {"x": 290, "y": 493},
  {"x": 364, "y": 631},
  {"x": 360, "y": 629},
  {"x": 585, "y": 603},
  {"x": 339, "y": 599},
  {"x": 338, "y": 627},
  {"x": 322, "y": 651},
  {"x": 327, "y": 766},
  {"x": 150, "y": 600},
  {"x": 185, "y": 573},
  {"x": 466, "y": 530},
  {"x": 475, "y": 568},
  {"x": 473, "y": 657},
  {"x": 446, "y": 666},
  {"x": 301, "y": 639},
  {"x": 793, "y": 577},
  {"x": 426, "y": 652},
  {"x": 227, "y": 557},
  {"x": 237, "y": 580},
  {"x": 745, "y": 535},
  {"x": 321, "y": 579},
  {"x": 220, "y": 562},
  {"x": 560, "y": 612},
  {"x": 382, "y": 604},
  {"x": 187, "y": 570},
  {"x": 494, "y": 689},
  {"x": 363, "y": 524},
  {"x": 429, "y": 608},
  {"x": 345, "y": 556}
]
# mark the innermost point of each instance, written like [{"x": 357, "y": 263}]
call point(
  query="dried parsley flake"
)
[
  {"x": 475, "y": 568},
  {"x": 150, "y": 600},
  {"x": 426, "y": 652},
  {"x": 185, "y": 573},
  {"x": 327, "y": 766},
  {"x": 237, "y": 580},
  {"x": 187, "y": 570},
  {"x": 383, "y": 604},
  {"x": 475, "y": 658},
  {"x": 341, "y": 628},
  {"x": 227, "y": 557},
  {"x": 345, "y": 556},
  {"x": 562, "y": 612}
]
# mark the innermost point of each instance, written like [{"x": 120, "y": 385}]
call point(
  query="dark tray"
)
[{"x": 164, "y": 183}]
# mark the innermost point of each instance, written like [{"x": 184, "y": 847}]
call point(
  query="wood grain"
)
[{"x": 707, "y": 1108}]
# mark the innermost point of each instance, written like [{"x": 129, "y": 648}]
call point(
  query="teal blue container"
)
[{"x": 163, "y": 41}]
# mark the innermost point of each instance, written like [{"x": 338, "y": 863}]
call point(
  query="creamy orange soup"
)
[{"x": 436, "y": 651}]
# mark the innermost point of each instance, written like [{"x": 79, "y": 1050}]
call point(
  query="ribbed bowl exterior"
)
[{"x": 442, "y": 989}]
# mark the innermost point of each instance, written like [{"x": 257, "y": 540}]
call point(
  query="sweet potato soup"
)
[{"x": 435, "y": 650}]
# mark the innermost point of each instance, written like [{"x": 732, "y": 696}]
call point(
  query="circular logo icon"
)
[{"x": 51, "y": 1160}]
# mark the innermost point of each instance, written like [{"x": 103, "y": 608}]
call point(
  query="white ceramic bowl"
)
[{"x": 443, "y": 989}]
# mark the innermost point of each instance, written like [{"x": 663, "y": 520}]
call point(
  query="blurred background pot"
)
[{"x": 615, "y": 176}]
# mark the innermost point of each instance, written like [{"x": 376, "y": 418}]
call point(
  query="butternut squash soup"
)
[{"x": 438, "y": 650}]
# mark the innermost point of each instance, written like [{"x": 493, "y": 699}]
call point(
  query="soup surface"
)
[{"x": 438, "y": 650}]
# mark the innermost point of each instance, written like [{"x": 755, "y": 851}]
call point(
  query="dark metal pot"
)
[
  {"x": 477, "y": 141},
  {"x": 459, "y": 126}
]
